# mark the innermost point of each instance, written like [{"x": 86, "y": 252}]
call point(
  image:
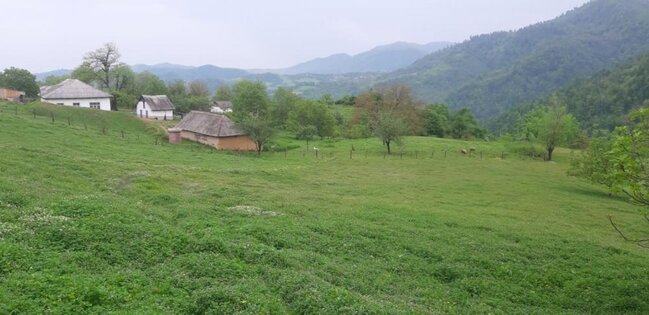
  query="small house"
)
[
  {"x": 72, "y": 92},
  {"x": 216, "y": 130},
  {"x": 221, "y": 107},
  {"x": 155, "y": 107},
  {"x": 12, "y": 95}
]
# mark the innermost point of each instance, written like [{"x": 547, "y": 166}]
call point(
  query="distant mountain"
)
[
  {"x": 380, "y": 59},
  {"x": 492, "y": 73},
  {"x": 43, "y": 75},
  {"x": 599, "y": 102}
]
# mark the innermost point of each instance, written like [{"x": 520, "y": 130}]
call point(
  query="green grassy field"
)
[{"x": 95, "y": 222}]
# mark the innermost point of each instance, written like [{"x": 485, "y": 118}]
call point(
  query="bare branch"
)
[{"x": 640, "y": 242}]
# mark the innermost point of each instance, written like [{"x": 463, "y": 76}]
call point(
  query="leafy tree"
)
[
  {"x": 198, "y": 88},
  {"x": 594, "y": 164},
  {"x": 347, "y": 100},
  {"x": 21, "y": 80},
  {"x": 249, "y": 98},
  {"x": 147, "y": 83},
  {"x": 223, "y": 93},
  {"x": 312, "y": 113},
  {"x": 436, "y": 120},
  {"x": 177, "y": 88},
  {"x": 554, "y": 128},
  {"x": 258, "y": 129},
  {"x": 396, "y": 100},
  {"x": 103, "y": 65},
  {"x": 284, "y": 101},
  {"x": 307, "y": 133},
  {"x": 389, "y": 128},
  {"x": 463, "y": 125}
]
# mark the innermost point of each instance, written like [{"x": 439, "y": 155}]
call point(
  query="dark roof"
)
[
  {"x": 158, "y": 102},
  {"x": 209, "y": 124},
  {"x": 223, "y": 104},
  {"x": 71, "y": 89}
]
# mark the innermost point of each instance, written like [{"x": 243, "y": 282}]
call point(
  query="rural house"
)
[
  {"x": 221, "y": 107},
  {"x": 11, "y": 95},
  {"x": 72, "y": 92},
  {"x": 155, "y": 107},
  {"x": 216, "y": 130}
]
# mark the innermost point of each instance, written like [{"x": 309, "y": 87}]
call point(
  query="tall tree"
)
[
  {"x": 284, "y": 102},
  {"x": 198, "y": 88},
  {"x": 436, "y": 120},
  {"x": 554, "y": 128},
  {"x": 396, "y": 100},
  {"x": 19, "y": 79},
  {"x": 223, "y": 93},
  {"x": 147, "y": 83},
  {"x": 389, "y": 128},
  {"x": 312, "y": 113},
  {"x": 101, "y": 63},
  {"x": 462, "y": 125},
  {"x": 250, "y": 98}
]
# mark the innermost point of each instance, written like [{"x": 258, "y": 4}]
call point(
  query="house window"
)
[
  {"x": 76, "y": 104},
  {"x": 95, "y": 105}
]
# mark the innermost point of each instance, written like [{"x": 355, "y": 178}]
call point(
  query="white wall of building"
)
[
  {"x": 143, "y": 110},
  {"x": 104, "y": 103}
]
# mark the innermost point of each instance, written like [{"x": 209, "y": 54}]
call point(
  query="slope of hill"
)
[
  {"x": 96, "y": 221},
  {"x": 384, "y": 58},
  {"x": 491, "y": 73},
  {"x": 599, "y": 102}
]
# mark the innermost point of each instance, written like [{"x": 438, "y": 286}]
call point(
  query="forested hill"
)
[
  {"x": 492, "y": 73},
  {"x": 600, "y": 102}
]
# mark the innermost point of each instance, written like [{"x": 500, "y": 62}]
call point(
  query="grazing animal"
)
[
  {"x": 472, "y": 149},
  {"x": 463, "y": 151}
]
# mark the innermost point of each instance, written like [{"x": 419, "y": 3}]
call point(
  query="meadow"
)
[{"x": 99, "y": 215}]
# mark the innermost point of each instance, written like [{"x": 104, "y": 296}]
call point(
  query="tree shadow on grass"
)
[{"x": 594, "y": 193}]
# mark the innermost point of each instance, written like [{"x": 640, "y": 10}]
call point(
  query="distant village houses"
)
[
  {"x": 12, "y": 95},
  {"x": 221, "y": 107},
  {"x": 216, "y": 130},
  {"x": 157, "y": 107},
  {"x": 72, "y": 92}
]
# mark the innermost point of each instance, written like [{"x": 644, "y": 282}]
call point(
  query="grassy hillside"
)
[
  {"x": 93, "y": 222},
  {"x": 494, "y": 72}
]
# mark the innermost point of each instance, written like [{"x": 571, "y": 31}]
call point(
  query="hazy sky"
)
[{"x": 42, "y": 35}]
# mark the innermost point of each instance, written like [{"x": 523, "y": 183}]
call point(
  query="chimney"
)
[{"x": 174, "y": 135}]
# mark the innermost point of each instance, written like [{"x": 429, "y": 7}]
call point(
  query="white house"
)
[
  {"x": 155, "y": 107},
  {"x": 72, "y": 92},
  {"x": 221, "y": 107}
]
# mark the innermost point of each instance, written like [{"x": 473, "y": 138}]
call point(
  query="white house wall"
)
[
  {"x": 143, "y": 110},
  {"x": 104, "y": 103}
]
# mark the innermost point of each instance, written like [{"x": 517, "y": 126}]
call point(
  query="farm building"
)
[
  {"x": 155, "y": 107},
  {"x": 221, "y": 107},
  {"x": 216, "y": 130},
  {"x": 72, "y": 92},
  {"x": 11, "y": 95}
]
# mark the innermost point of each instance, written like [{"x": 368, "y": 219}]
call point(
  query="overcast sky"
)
[{"x": 42, "y": 35}]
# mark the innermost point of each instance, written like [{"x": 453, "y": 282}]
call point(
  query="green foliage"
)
[
  {"x": 594, "y": 164},
  {"x": 258, "y": 128},
  {"x": 54, "y": 79},
  {"x": 21, "y": 80},
  {"x": 197, "y": 88},
  {"x": 396, "y": 100},
  {"x": 462, "y": 125},
  {"x": 312, "y": 113},
  {"x": 147, "y": 83},
  {"x": 223, "y": 93},
  {"x": 436, "y": 120},
  {"x": 553, "y": 127},
  {"x": 249, "y": 98},
  {"x": 389, "y": 128},
  {"x": 284, "y": 102}
]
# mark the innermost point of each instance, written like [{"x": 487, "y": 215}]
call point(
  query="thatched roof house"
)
[
  {"x": 216, "y": 130},
  {"x": 155, "y": 107},
  {"x": 72, "y": 92}
]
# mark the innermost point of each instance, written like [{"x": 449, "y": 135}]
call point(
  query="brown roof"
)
[
  {"x": 209, "y": 124},
  {"x": 72, "y": 89},
  {"x": 158, "y": 102}
]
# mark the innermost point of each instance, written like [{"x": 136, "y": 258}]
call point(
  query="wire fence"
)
[{"x": 81, "y": 122}]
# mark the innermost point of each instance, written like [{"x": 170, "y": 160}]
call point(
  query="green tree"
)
[
  {"x": 389, "y": 128},
  {"x": 249, "y": 98},
  {"x": 103, "y": 65},
  {"x": 223, "y": 93},
  {"x": 307, "y": 133},
  {"x": 147, "y": 83},
  {"x": 463, "y": 125},
  {"x": 553, "y": 128},
  {"x": 198, "y": 88},
  {"x": 21, "y": 80},
  {"x": 54, "y": 79},
  {"x": 258, "y": 129},
  {"x": 396, "y": 100},
  {"x": 284, "y": 102},
  {"x": 312, "y": 113},
  {"x": 436, "y": 120},
  {"x": 594, "y": 164}
]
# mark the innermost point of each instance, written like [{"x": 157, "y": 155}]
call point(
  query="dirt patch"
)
[{"x": 250, "y": 210}]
